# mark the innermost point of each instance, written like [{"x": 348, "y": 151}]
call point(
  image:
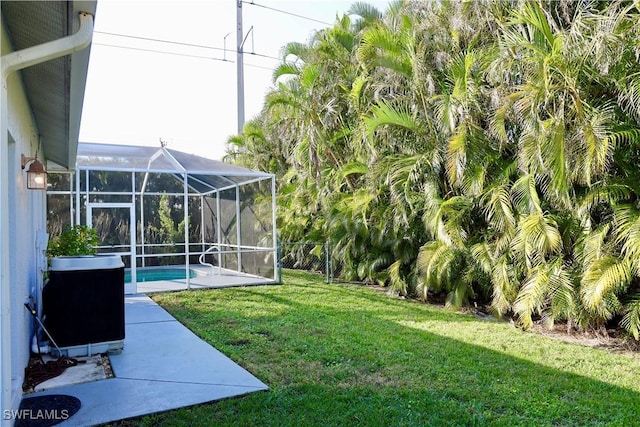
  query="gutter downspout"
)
[
  {"x": 34, "y": 55},
  {"x": 11, "y": 62}
]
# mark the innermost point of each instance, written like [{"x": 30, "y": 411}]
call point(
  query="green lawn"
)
[{"x": 349, "y": 355}]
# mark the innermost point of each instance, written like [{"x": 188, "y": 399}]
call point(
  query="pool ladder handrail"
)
[{"x": 201, "y": 259}]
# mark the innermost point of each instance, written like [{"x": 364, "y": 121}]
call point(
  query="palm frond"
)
[
  {"x": 457, "y": 156},
  {"x": 297, "y": 49},
  {"x": 498, "y": 125},
  {"x": 625, "y": 136},
  {"x": 474, "y": 179},
  {"x": 554, "y": 152},
  {"x": 382, "y": 47},
  {"x": 498, "y": 209},
  {"x": 394, "y": 7},
  {"x": 383, "y": 38},
  {"x": 422, "y": 288},
  {"x": 531, "y": 297},
  {"x": 365, "y": 11},
  {"x": 605, "y": 193},
  {"x": 443, "y": 268},
  {"x": 281, "y": 98},
  {"x": 505, "y": 286},
  {"x": 387, "y": 114},
  {"x": 397, "y": 282},
  {"x": 433, "y": 263},
  {"x": 525, "y": 196},
  {"x": 593, "y": 245},
  {"x": 354, "y": 167},
  {"x": 481, "y": 253},
  {"x": 541, "y": 36},
  {"x": 445, "y": 218},
  {"x": 592, "y": 141},
  {"x": 631, "y": 319},
  {"x": 626, "y": 218},
  {"x": 286, "y": 69},
  {"x": 562, "y": 294},
  {"x": 407, "y": 177},
  {"x": 356, "y": 90},
  {"x": 537, "y": 237},
  {"x": 629, "y": 94},
  {"x": 461, "y": 292},
  {"x": 604, "y": 278},
  {"x": 309, "y": 75}
]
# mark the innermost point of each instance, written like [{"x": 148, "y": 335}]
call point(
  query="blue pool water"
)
[{"x": 156, "y": 274}]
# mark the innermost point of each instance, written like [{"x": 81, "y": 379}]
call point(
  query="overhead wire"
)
[
  {"x": 184, "y": 44},
  {"x": 161, "y": 51},
  {"x": 286, "y": 12},
  {"x": 253, "y": 3},
  {"x": 178, "y": 54},
  {"x": 160, "y": 40}
]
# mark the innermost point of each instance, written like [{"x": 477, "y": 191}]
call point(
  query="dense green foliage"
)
[
  {"x": 344, "y": 355},
  {"x": 486, "y": 151},
  {"x": 76, "y": 240}
]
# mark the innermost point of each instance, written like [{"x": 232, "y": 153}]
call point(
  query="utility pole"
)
[{"x": 240, "y": 64}]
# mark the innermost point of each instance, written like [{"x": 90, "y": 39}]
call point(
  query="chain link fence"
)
[{"x": 313, "y": 257}]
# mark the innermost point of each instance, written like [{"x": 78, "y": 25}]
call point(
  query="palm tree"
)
[{"x": 486, "y": 151}]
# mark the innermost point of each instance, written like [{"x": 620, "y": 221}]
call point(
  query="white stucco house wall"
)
[{"x": 44, "y": 59}]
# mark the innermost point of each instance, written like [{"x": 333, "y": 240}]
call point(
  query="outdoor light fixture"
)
[{"x": 36, "y": 174}]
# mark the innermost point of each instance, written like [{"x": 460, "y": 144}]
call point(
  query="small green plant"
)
[{"x": 77, "y": 240}]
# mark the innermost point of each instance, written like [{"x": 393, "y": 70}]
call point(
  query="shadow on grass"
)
[{"x": 341, "y": 356}]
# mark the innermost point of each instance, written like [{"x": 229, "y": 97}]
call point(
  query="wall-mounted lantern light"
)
[{"x": 36, "y": 174}]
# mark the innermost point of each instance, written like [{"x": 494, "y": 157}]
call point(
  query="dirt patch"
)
[
  {"x": 106, "y": 365},
  {"x": 40, "y": 370},
  {"x": 52, "y": 372}
]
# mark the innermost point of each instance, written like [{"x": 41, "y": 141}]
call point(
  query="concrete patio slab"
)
[
  {"x": 146, "y": 348},
  {"x": 163, "y": 366},
  {"x": 139, "y": 308}
]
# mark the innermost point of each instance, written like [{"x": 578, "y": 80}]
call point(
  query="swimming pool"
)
[{"x": 156, "y": 274}]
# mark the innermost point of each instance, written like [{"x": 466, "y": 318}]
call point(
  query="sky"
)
[{"x": 137, "y": 96}]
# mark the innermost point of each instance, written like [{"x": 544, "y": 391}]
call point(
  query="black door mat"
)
[{"x": 45, "y": 411}]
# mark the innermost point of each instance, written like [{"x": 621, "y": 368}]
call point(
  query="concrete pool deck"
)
[
  {"x": 163, "y": 366},
  {"x": 205, "y": 279}
]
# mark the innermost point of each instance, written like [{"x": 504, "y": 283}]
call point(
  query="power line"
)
[
  {"x": 161, "y": 51},
  {"x": 261, "y": 55},
  {"x": 286, "y": 12},
  {"x": 179, "y": 54},
  {"x": 183, "y": 44},
  {"x": 162, "y": 41}
]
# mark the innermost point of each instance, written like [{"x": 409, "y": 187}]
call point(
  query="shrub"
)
[{"x": 77, "y": 240}]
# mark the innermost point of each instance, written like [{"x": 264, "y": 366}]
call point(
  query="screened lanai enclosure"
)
[{"x": 178, "y": 221}]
